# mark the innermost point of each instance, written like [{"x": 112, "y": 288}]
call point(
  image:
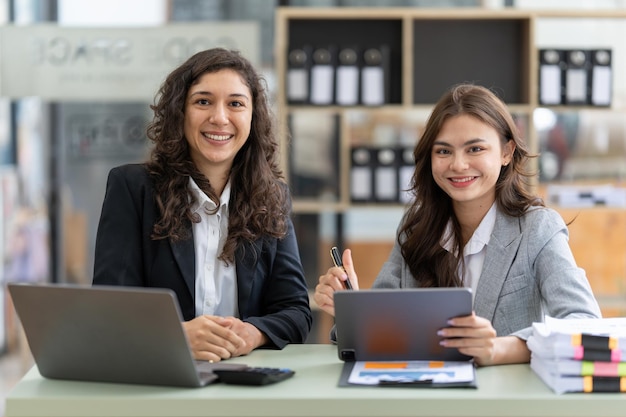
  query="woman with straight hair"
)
[{"x": 472, "y": 223}]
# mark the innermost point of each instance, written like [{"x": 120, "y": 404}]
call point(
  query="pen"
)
[{"x": 334, "y": 253}]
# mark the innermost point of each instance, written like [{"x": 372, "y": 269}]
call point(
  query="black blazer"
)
[{"x": 272, "y": 290}]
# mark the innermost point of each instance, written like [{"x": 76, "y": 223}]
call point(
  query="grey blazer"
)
[{"x": 529, "y": 271}]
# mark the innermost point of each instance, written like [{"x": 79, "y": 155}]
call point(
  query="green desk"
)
[{"x": 503, "y": 391}]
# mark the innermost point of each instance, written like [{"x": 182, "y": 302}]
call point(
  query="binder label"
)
[
  {"x": 601, "y": 86},
  {"x": 347, "y": 85},
  {"x": 297, "y": 84},
  {"x": 373, "y": 86},
  {"x": 550, "y": 84},
  {"x": 322, "y": 84}
]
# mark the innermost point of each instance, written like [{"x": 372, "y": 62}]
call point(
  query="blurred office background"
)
[{"x": 56, "y": 149}]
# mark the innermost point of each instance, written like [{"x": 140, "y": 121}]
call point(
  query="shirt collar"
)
[
  {"x": 203, "y": 201},
  {"x": 481, "y": 235}
]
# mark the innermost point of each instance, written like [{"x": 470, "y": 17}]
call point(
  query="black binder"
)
[
  {"x": 347, "y": 77},
  {"x": 551, "y": 76},
  {"x": 576, "y": 77},
  {"x": 601, "y": 77},
  {"x": 406, "y": 169},
  {"x": 375, "y": 76},
  {"x": 361, "y": 175},
  {"x": 323, "y": 75},
  {"x": 386, "y": 175},
  {"x": 298, "y": 66}
]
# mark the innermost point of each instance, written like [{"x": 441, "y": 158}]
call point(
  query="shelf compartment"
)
[
  {"x": 490, "y": 52},
  {"x": 359, "y": 33},
  {"x": 314, "y": 162}
]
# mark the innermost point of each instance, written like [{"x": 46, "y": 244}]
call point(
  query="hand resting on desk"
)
[{"x": 213, "y": 338}]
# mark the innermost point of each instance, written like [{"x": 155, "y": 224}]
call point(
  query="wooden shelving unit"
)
[{"x": 431, "y": 49}]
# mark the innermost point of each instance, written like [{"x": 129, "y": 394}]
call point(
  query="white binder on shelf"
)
[
  {"x": 298, "y": 66},
  {"x": 374, "y": 74},
  {"x": 576, "y": 77},
  {"x": 361, "y": 175},
  {"x": 551, "y": 65},
  {"x": 601, "y": 77},
  {"x": 322, "y": 76},
  {"x": 347, "y": 79},
  {"x": 386, "y": 175},
  {"x": 405, "y": 174}
]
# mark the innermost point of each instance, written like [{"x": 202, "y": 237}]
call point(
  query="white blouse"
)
[{"x": 216, "y": 282}]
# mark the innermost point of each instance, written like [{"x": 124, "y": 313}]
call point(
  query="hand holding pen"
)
[
  {"x": 334, "y": 253},
  {"x": 339, "y": 277}
]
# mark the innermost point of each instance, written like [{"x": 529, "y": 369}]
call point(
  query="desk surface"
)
[{"x": 512, "y": 390}]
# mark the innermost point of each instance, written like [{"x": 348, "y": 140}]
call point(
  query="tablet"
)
[{"x": 398, "y": 324}]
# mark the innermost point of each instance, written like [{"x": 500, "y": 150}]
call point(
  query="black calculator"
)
[{"x": 253, "y": 375}]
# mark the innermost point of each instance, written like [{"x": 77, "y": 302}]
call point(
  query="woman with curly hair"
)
[
  {"x": 472, "y": 223},
  {"x": 208, "y": 215}
]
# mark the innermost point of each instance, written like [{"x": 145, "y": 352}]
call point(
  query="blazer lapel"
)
[
  {"x": 186, "y": 259},
  {"x": 247, "y": 258},
  {"x": 501, "y": 251}
]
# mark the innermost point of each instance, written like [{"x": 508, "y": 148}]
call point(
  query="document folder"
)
[
  {"x": 386, "y": 175},
  {"x": 375, "y": 76},
  {"x": 405, "y": 174},
  {"x": 298, "y": 67},
  {"x": 347, "y": 78},
  {"x": 361, "y": 175},
  {"x": 322, "y": 76},
  {"x": 576, "y": 77},
  {"x": 580, "y": 355},
  {"x": 601, "y": 78},
  {"x": 348, "y": 368},
  {"x": 551, "y": 80}
]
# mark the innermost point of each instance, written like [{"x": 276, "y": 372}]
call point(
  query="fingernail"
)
[{"x": 440, "y": 332}]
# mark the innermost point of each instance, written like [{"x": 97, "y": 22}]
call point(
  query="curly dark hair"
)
[
  {"x": 426, "y": 219},
  {"x": 259, "y": 203}
]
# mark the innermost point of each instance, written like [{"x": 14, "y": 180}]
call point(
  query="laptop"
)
[
  {"x": 109, "y": 334},
  {"x": 398, "y": 324}
]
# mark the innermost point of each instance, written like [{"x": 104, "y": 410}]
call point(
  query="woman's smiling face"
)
[
  {"x": 218, "y": 116},
  {"x": 467, "y": 156}
]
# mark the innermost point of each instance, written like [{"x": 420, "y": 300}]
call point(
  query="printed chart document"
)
[{"x": 409, "y": 373}]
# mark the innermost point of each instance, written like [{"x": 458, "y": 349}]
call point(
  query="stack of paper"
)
[{"x": 580, "y": 355}]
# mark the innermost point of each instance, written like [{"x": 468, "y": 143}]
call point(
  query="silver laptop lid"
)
[{"x": 106, "y": 334}]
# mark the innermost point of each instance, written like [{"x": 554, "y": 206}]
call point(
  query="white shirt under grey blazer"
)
[{"x": 529, "y": 271}]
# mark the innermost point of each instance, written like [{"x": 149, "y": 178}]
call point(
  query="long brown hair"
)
[
  {"x": 426, "y": 219},
  {"x": 259, "y": 202}
]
